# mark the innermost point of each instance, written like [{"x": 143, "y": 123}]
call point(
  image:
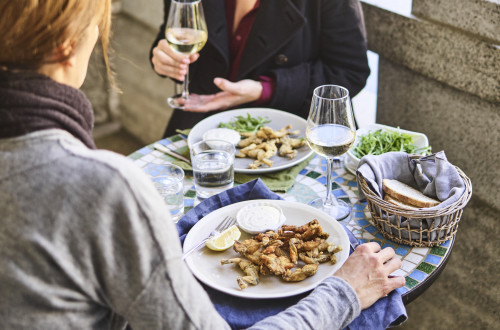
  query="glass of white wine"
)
[
  {"x": 186, "y": 33},
  {"x": 330, "y": 133}
]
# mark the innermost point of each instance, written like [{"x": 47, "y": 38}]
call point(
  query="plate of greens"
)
[
  {"x": 251, "y": 119},
  {"x": 376, "y": 139}
]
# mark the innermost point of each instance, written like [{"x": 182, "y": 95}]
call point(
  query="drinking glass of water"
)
[
  {"x": 330, "y": 133},
  {"x": 213, "y": 170},
  {"x": 168, "y": 180}
]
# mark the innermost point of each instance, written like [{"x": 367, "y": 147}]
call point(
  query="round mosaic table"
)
[{"x": 420, "y": 265}]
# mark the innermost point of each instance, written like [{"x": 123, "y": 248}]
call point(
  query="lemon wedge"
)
[{"x": 224, "y": 240}]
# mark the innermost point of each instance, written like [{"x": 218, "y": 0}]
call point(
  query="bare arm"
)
[{"x": 367, "y": 271}]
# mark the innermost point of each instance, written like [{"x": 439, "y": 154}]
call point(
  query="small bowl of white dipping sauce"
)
[
  {"x": 260, "y": 217},
  {"x": 225, "y": 134}
]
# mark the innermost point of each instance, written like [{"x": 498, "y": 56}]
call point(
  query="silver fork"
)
[{"x": 225, "y": 224}]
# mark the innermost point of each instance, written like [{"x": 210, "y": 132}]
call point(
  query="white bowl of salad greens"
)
[{"x": 376, "y": 139}]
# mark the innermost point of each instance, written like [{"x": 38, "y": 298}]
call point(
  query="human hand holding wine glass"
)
[
  {"x": 186, "y": 33},
  {"x": 330, "y": 133}
]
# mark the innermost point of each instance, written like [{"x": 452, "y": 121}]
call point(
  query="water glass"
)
[
  {"x": 213, "y": 170},
  {"x": 169, "y": 182}
]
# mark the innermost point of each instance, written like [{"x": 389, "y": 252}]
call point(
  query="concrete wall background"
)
[
  {"x": 439, "y": 73},
  {"x": 143, "y": 108},
  {"x": 140, "y": 107},
  {"x": 149, "y": 12},
  {"x": 465, "y": 294}
]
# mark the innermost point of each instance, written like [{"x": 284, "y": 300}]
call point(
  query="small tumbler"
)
[
  {"x": 213, "y": 171},
  {"x": 168, "y": 180}
]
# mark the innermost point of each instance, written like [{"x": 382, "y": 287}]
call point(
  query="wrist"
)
[{"x": 267, "y": 89}]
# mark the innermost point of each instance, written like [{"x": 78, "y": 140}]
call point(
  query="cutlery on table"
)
[
  {"x": 225, "y": 224},
  {"x": 170, "y": 152}
]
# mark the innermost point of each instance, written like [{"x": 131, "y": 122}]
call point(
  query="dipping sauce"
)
[
  {"x": 260, "y": 217},
  {"x": 224, "y": 134}
]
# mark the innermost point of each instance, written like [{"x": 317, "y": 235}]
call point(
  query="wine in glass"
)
[
  {"x": 330, "y": 133},
  {"x": 186, "y": 33}
]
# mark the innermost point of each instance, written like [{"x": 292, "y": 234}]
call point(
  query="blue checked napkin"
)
[{"x": 242, "y": 313}]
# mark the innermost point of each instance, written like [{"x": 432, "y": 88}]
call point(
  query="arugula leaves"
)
[
  {"x": 245, "y": 124},
  {"x": 382, "y": 141}
]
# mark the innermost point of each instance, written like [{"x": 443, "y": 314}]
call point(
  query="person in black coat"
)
[{"x": 293, "y": 46}]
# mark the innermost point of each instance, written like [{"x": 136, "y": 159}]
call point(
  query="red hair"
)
[{"x": 31, "y": 30}]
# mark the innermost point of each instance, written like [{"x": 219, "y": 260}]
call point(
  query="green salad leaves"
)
[
  {"x": 382, "y": 141},
  {"x": 246, "y": 124}
]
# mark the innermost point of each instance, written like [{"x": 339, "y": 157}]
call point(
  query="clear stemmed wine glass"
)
[
  {"x": 186, "y": 33},
  {"x": 330, "y": 133}
]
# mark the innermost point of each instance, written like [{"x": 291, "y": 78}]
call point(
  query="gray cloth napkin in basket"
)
[{"x": 433, "y": 175}]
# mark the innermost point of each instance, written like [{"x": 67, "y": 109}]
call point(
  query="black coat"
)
[{"x": 302, "y": 43}]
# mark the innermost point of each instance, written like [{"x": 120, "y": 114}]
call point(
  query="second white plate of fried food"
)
[
  {"x": 281, "y": 143},
  {"x": 308, "y": 248}
]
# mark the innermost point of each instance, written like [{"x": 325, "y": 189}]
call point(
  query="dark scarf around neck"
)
[{"x": 31, "y": 102}]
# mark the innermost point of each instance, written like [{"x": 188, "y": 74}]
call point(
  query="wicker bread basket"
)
[{"x": 416, "y": 227}]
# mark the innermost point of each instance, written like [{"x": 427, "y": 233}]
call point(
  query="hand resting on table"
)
[{"x": 367, "y": 271}]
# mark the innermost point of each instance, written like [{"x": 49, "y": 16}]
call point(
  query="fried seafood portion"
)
[
  {"x": 292, "y": 252},
  {"x": 277, "y": 265},
  {"x": 307, "y": 232},
  {"x": 300, "y": 274},
  {"x": 266, "y": 142},
  {"x": 251, "y": 270}
]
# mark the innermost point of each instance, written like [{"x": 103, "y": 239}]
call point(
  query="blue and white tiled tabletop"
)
[{"x": 418, "y": 263}]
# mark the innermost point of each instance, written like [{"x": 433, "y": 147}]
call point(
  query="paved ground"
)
[{"x": 119, "y": 141}]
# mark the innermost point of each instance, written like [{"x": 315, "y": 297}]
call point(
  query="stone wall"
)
[{"x": 439, "y": 74}]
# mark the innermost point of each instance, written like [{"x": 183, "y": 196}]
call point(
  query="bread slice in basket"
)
[
  {"x": 394, "y": 201},
  {"x": 402, "y": 194}
]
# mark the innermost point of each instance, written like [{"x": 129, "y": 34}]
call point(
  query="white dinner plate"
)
[
  {"x": 279, "y": 119},
  {"x": 205, "y": 263}
]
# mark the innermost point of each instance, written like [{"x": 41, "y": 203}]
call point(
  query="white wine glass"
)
[
  {"x": 330, "y": 133},
  {"x": 186, "y": 32}
]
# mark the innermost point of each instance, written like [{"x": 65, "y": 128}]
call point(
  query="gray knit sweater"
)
[{"x": 86, "y": 243}]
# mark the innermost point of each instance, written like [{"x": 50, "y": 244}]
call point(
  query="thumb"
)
[{"x": 225, "y": 85}]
